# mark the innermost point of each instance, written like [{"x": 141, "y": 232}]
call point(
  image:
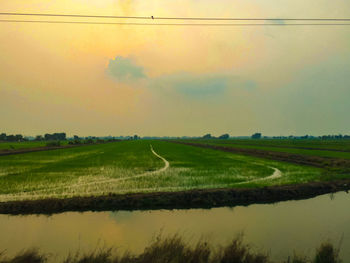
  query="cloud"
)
[
  {"x": 125, "y": 69},
  {"x": 201, "y": 86},
  {"x": 191, "y": 85},
  {"x": 196, "y": 85}
]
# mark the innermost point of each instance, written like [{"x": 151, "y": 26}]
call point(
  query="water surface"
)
[{"x": 280, "y": 228}]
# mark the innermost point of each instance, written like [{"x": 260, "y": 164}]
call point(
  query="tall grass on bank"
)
[{"x": 175, "y": 250}]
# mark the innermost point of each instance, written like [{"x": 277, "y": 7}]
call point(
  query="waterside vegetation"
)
[{"x": 174, "y": 249}]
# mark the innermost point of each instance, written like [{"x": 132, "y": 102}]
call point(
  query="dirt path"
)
[
  {"x": 166, "y": 163},
  {"x": 165, "y": 167},
  {"x": 276, "y": 174}
]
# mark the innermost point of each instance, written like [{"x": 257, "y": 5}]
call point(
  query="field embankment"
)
[{"x": 205, "y": 198}]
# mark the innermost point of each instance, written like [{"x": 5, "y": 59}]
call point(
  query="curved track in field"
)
[
  {"x": 166, "y": 163},
  {"x": 276, "y": 174}
]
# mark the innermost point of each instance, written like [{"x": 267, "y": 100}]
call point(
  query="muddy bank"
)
[
  {"x": 206, "y": 198},
  {"x": 316, "y": 161}
]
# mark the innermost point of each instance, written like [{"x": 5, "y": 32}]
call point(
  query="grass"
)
[
  {"x": 289, "y": 146},
  {"x": 125, "y": 167},
  {"x": 174, "y": 249}
]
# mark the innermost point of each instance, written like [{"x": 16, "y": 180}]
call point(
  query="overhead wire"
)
[
  {"x": 173, "y": 18},
  {"x": 214, "y": 21},
  {"x": 171, "y": 24}
]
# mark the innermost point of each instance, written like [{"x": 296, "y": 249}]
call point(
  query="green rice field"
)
[
  {"x": 132, "y": 167},
  {"x": 333, "y": 149},
  {"x": 13, "y": 146},
  {"x": 20, "y": 145},
  {"x": 331, "y": 144}
]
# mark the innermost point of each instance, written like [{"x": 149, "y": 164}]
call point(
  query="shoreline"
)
[{"x": 203, "y": 198}]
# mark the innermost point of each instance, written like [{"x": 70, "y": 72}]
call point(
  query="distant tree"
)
[
  {"x": 339, "y": 136},
  {"x": 207, "y": 136},
  {"x": 19, "y": 137},
  {"x": 11, "y": 138},
  {"x": 224, "y": 136},
  {"x": 136, "y": 137},
  {"x": 60, "y": 136},
  {"x": 76, "y": 137},
  {"x": 3, "y": 137},
  {"x": 256, "y": 135},
  {"x": 38, "y": 138},
  {"x": 55, "y": 137}
]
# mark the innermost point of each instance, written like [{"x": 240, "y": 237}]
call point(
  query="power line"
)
[
  {"x": 174, "y": 18},
  {"x": 75, "y": 15},
  {"x": 169, "y": 24}
]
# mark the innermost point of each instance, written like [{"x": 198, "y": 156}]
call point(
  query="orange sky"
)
[{"x": 276, "y": 80}]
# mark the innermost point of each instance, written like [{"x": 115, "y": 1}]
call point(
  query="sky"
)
[{"x": 175, "y": 81}]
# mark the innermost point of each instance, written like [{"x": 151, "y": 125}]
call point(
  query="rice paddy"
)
[
  {"x": 332, "y": 149},
  {"x": 132, "y": 167},
  {"x": 7, "y": 146}
]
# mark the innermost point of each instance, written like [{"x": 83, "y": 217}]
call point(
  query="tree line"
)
[
  {"x": 20, "y": 138},
  {"x": 12, "y": 138},
  {"x": 61, "y": 136},
  {"x": 258, "y": 135}
]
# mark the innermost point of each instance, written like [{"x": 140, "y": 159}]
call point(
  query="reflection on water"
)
[{"x": 280, "y": 228}]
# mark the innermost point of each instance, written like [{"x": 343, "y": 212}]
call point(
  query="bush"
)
[
  {"x": 326, "y": 253},
  {"x": 28, "y": 256}
]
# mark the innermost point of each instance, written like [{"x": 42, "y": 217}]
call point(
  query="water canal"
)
[{"x": 280, "y": 228}]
